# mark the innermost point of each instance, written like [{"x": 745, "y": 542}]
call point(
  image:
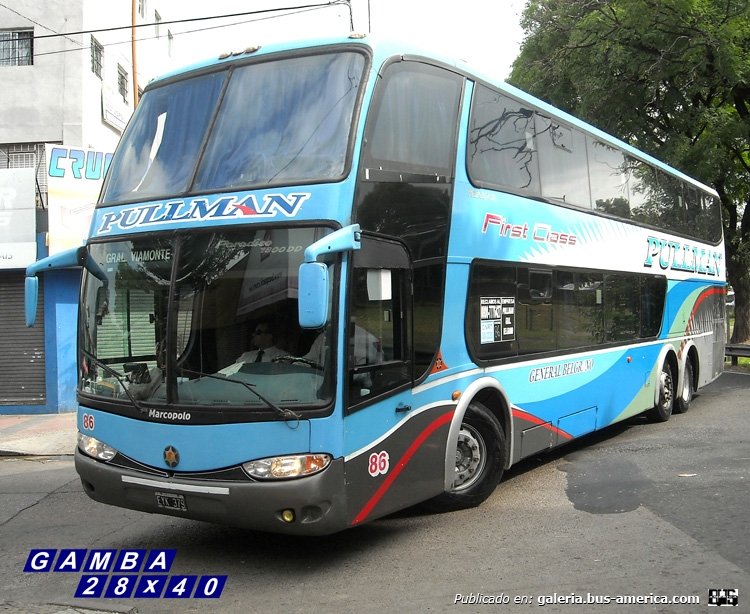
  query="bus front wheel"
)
[
  {"x": 480, "y": 460},
  {"x": 662, "y": 411}
]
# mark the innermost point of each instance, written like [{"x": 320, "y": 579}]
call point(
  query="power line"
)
[
  {"x": 41, "y": 25},
  {"x": 175, "y": 34},
  {"x": 166, "y": 23}
]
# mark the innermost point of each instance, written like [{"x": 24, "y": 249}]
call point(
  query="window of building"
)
[
  {"x": 142, "y": 8},
  {"x": 122, "y": 82},
  {"x": 17, "y": 48},
  {"x": 170, "y": 42},
  {"x": 27, "y": 155},
  {"x": 157, "y": 23},
  {"x": 97, "y": 49}
]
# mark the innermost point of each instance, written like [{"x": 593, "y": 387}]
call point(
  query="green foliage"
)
[{"x": 672, "y": 77}]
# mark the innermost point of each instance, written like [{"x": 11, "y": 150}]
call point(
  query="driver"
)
[
  {"x": 266, "y": 351},
  {"x": 263, "y": 340}
]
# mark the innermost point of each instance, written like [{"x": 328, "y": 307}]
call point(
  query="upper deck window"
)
[
  {"x": 284, "y": 121},
  {"x": 413, "y": 127},
  {"x": 517, "y": 148},
  {"x": 160, "y": 145}
]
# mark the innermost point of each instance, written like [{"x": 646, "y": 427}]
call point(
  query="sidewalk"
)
[{"x": 38, "y": 434}]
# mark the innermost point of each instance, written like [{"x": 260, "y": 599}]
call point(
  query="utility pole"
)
[{"x": 132, "y": 52}]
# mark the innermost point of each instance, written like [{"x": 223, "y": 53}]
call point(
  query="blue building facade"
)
[{"x": 38, "y": 366}]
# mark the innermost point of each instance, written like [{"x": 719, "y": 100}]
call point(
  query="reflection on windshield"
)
[
  {"x": 233, "y": 322},
  {"x": 282, "y": 121}
]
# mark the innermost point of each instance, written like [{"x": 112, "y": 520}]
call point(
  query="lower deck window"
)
[{"x": 519, "y": 310}]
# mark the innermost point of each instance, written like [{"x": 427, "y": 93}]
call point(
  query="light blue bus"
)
[{"x": 331, "y": 280}]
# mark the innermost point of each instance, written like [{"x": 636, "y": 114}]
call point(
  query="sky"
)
[{"x": 484, "y": 33}]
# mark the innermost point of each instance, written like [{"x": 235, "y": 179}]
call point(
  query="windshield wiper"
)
[
  {"x": 118, "y": 377},
  {"x": 285, "y": 414}
]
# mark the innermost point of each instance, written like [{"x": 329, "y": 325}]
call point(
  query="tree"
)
[{"x": 672, "y": 77}]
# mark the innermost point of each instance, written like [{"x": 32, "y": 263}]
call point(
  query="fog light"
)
[
  {"x": 95, "y": 448},
  {"x": 287, "y": 467},
  {"x": 287, "y": 515}
]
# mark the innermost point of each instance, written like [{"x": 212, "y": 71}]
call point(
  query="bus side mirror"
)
[
  {"x": 313, "y": 294},
  {"x": 314, "y": 285},
  {"x": 31, "y": 297},
  {"x": 75, "y": 257}
]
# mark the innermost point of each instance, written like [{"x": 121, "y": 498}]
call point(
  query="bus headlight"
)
[
  {"x": 287, "y": 467},
  {"x": 95, "y": 448}
]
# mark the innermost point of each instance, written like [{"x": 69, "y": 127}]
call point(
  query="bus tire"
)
[
  {"x": 688, "y": 389},
  {"x": 662, "y": 411},
  {"x": 480, "y": 461}
]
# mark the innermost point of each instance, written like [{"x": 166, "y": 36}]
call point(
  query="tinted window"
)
[
  {"x": 516, "y": 310},
  {"x": 563, "y": 168},
  {"x": 621, "y": 307},
  {"x": 414, "y": 122},
  {"x": 643, "y": 192},
  {"x": 502, "y": 148},
  {"x": 283, "y": 122},
  {"x": 286, "y": 120},
  {"x": 653, "y": 294},
  {"x": 159, "y": 149},
  {"x": 609, "y": 180},
  {"x": 405, "y": 182},
  {"x": 578, "y": 309},
  {"x": 378, "y": 339},
  {"x": 707, "y": 223},
  {"x": 492, "y": 299},
  {"x": 514, "y": 146},
  {"x": 197, "y": 340},
  {"x": 536, "y": 325}
]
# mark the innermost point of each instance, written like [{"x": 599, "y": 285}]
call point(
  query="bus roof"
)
[{"x": 384, "y": 48}]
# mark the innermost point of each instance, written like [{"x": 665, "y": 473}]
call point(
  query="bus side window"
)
[
  {"x": 378, "y": 351},
  {"x": 406, "y": 173},
  {"x": 379, "y": 337}
]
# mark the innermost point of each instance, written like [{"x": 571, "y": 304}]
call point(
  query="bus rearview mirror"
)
[
  {"x": 31, "y": 297},
  {"x": 313, "y": 295}
]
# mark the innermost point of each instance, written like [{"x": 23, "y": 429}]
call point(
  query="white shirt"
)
[{"x": 268, "y": 355}]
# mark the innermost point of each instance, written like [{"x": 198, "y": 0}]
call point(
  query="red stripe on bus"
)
[
  {"x": 399, "y": 467},
  {"x": 704, "y": 295},
  {"x": 517, "y": 413}
]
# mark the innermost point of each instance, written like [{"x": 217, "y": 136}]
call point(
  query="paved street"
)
[{"x": 653, "y": 510}]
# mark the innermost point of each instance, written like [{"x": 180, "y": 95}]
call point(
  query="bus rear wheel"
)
[
  {"x": 480, "y": 460},
  {"x": 688, "y": 389},
  {"x": 662, "y": 411}
]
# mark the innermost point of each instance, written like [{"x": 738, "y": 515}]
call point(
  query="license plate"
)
[{"x": 171, "y": 502}]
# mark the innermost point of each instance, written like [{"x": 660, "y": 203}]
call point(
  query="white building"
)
[{"x": 67, "y": 77}]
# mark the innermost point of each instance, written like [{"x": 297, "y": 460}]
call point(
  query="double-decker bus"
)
[{"x": 328, "y": 281}]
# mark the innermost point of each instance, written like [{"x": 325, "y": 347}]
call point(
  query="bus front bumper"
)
[{"x": 317, "y": 503}]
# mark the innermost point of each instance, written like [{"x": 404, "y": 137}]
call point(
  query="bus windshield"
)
[
  {"x": 208, "y": 320},
  {"x": 282, "y": 121}
]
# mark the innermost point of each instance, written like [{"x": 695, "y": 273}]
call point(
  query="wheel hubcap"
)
[
  {"x": 666, "y": 390},
  {"x": 471, "y": 456}
]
